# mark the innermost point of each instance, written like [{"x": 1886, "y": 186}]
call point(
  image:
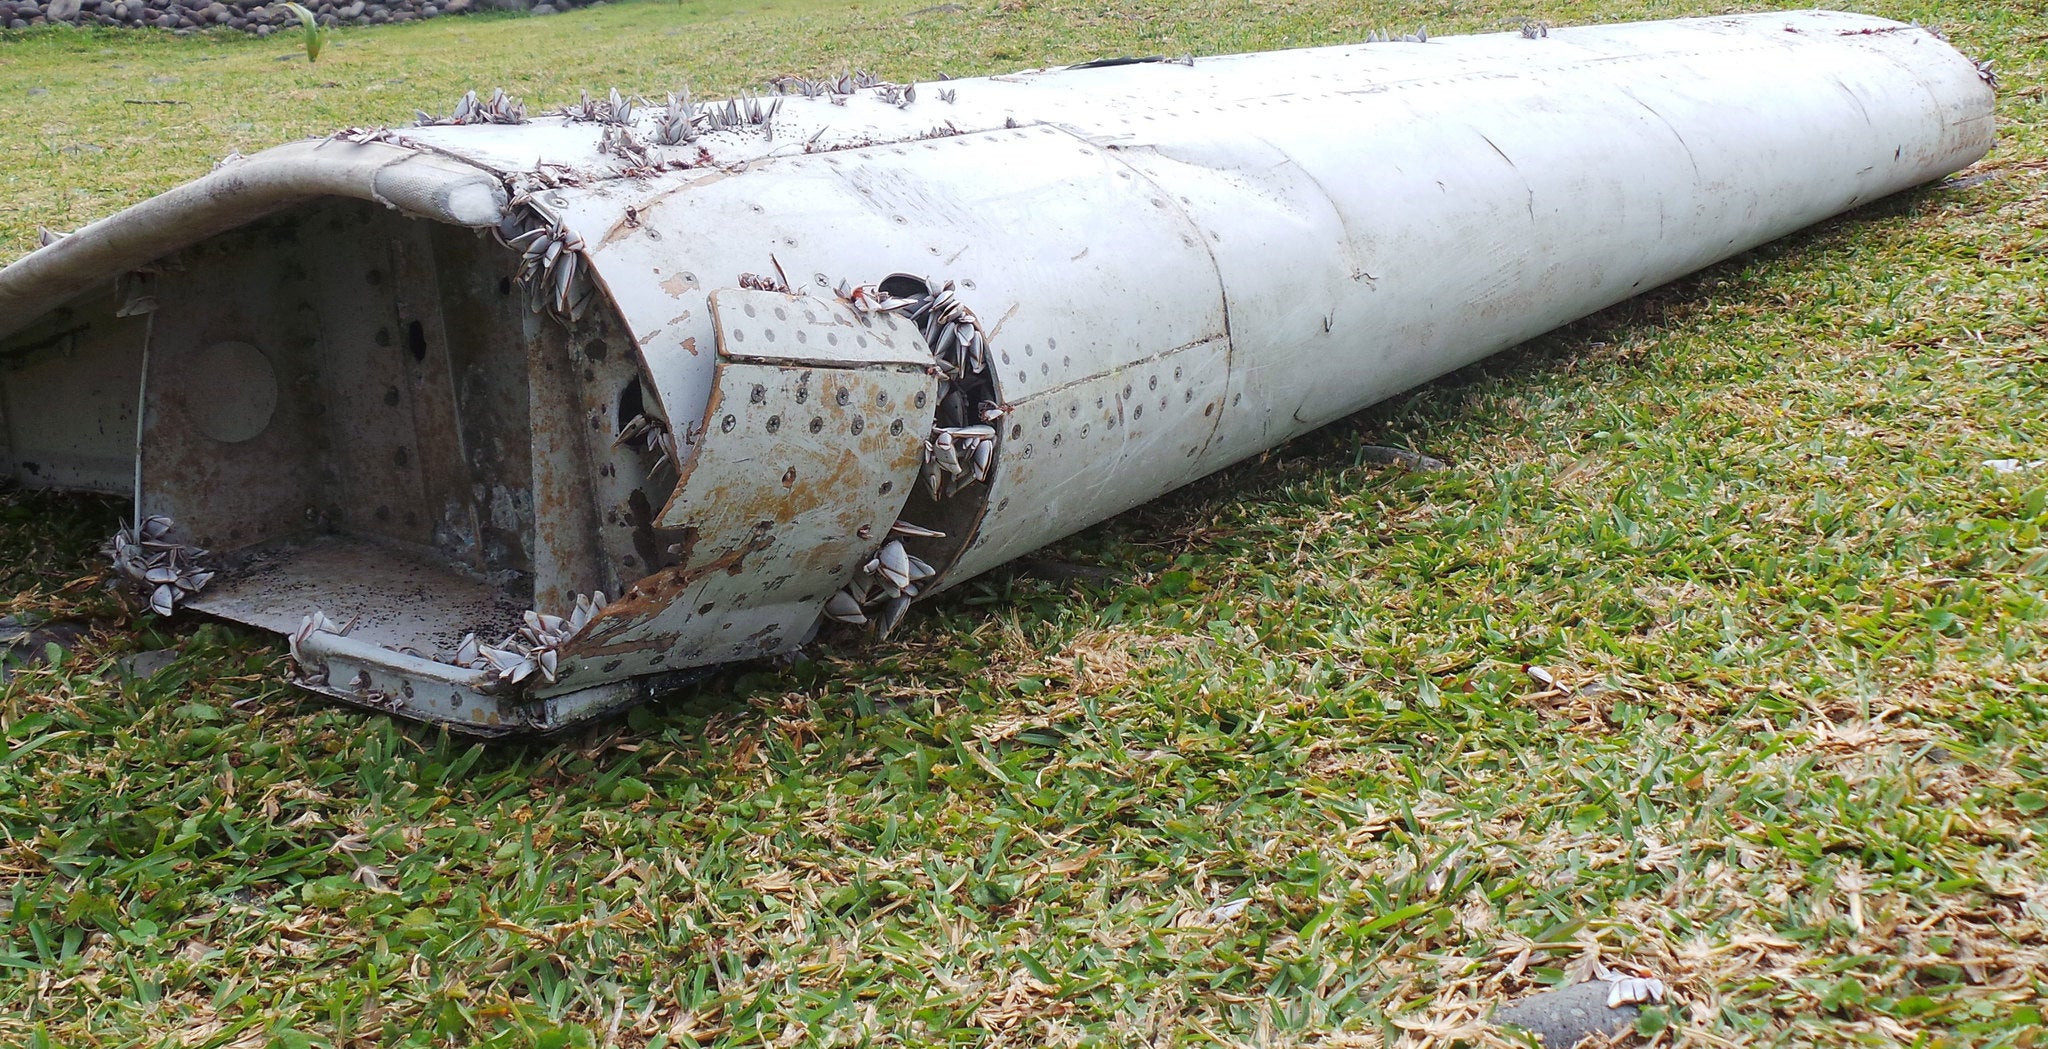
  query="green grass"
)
[{"x": 1798, "y": 767}]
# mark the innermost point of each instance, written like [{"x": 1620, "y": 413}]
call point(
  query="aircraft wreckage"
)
[{"x": 418, "y": 399}]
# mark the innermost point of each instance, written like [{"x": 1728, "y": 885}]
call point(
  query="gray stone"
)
[
  {"x": 1564, "y": 1017},
  {"x": 543, "y": 9},
  {"x": 25, "y": 644},
  {"x": 140, "y": 666},
  {"x": 34, "y": 91},
  {"x": 62, "y": 10}
]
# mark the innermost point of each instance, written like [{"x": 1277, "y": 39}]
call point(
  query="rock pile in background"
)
[{"x": 255, "y": 16}]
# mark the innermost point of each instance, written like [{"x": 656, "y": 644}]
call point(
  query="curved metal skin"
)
[{"x": 414, "y": 397}]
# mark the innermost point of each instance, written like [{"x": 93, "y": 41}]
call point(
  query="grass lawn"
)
[{"x": 1795, "y": 761}]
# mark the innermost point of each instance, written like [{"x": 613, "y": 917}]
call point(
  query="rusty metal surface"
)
[{"x": 801, "y": 469}]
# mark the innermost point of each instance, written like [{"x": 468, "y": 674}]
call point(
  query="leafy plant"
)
[{"x": 309, "y": 24}]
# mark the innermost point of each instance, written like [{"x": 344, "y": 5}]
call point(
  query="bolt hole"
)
[
  {"x": 631, "y": 404},
  {"x": 416, "y": 341}
]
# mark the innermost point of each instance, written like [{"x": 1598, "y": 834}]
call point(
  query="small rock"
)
[
  {"x": 1381, "y": 455},
  {"x": 140, "y": 666},
  {"x": 26, "y": 644},
  {"x": 34, "y": 91},
  {"x": 1565, "y": 1017},
  {"x": 63, "y": 10},
  {"x": 543, "y": 9}
]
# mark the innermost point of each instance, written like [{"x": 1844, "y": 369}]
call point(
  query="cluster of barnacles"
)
[
  {"x": 678, "y": 123},
  {"x": 962, "y": 444},
  {"x": 1419, "y": 36},
  {"x": 646, "y": 433},
  {"x": 844, "y": 86},
  {"x": 550, "y": 259},
  {"x": 166, "y": 572},
  {"x": 614, "y": 109},
  {"x": 500, "y": 109},
  {"x": 534, "y": 648},
  {"x": 960, "y": 450},
  {"x": 881, "y": 591},
  {"x": 364, "y": 135}
]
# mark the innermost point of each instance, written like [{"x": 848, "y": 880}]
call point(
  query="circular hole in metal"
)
[
  {"x": 726, "y": 424},
  {"x": 858, "y": 425},
  {"x": 817, "y": 424}
]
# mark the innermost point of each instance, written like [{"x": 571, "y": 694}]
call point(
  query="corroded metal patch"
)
[{"x": 813, "y": 440}]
